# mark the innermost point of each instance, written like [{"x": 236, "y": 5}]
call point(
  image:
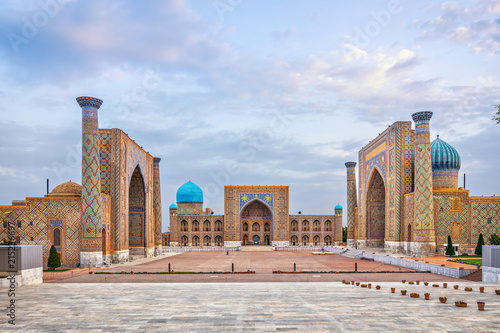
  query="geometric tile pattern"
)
[
  {"x": 91, "y": 175},
  {"x": 449, "y": 222},
  {"x": 352, "y": 200},
  {"x": 423, "y": 227},
  {"x": 266, "y": 198},
  {"x": 485, "y": 217},
  {"x": 136, "y": 209},
  {"x": 157, "y": 200},
  {"x": 376, "y": 207}
]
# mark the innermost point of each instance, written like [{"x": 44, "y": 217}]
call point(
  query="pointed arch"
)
[
  {"x": 375, "y": 209},
  {"x": 137, "y": 209}
]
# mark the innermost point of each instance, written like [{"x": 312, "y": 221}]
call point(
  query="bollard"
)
[
  {"x": 232, "y": 267},
  {"x": 355, "y": 266},
  {"x": 169, "y": 267},
  {"x": 294, "y": 267}
]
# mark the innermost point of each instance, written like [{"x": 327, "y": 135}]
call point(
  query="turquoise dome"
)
[
  {"x": 444, "y": 156},
  {"x": 338, "y": 206},
  {"x": 189, "y": 192},
  {"x": 172, "y": 206}
]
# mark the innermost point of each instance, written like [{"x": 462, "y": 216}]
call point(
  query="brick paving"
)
[
  {"x": 263, "y": 263},
  {"x": 249, "y": 307}
]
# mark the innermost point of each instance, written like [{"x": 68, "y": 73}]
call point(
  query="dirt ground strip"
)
[{"x": 263, "y": 263}]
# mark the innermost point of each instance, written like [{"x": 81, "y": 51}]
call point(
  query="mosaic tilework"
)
[
  {"x": 136, "y": 209},
  {"x": 376, "y": 207},
  {"x": 266, "y": 198},
  {"x": 256, "y": 215},
  {"x": 449, "y": 222},
  {"x": 157, "y": 200},
  {"x": 485, "y": 217},
  {"x": 232, "y": 207},
  {"x": 424, "y": 213},
  {"x": 91, "y": 183},
  {"x": 352, "y": 201},
  {"x": 36, "y": 221}
]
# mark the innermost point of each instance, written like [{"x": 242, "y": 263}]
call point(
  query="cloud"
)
[
  {"x": 475, "y": 26},
  {"x": 284, "y": 34}
]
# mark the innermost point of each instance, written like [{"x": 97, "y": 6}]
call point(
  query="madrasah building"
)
[{"x": 407, "y": 197}]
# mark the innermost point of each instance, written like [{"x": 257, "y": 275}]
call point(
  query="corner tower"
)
[
  {"x": 91, "y": 246},
  {"x": 424, "y": 237},
  {"x": 352, "y": 201},
  {"x": 157, "y": 204}
]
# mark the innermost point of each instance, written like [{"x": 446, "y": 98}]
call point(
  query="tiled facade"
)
[
  {"x": 404, "y": 206},
  {"x": 253, "y": 215},
  {"x": 114, "y": 214}
]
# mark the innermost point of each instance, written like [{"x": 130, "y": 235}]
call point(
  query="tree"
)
[
  {"x": 479, "y": 246},
  {"x": 497, "y": 114},
  {"x": 54, "y": 260},
  {"x": 494, "y": 239},
  {"x": 450, "y": 251},
  {"x": 344, "y": 234}
]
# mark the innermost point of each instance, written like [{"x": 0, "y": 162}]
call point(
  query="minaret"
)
[
  {"x": 91, "y": 246},
  {"x": 423, "y": 225},
  {"x": 352, "y": 200},
  {"x": 157, "y": 204}
]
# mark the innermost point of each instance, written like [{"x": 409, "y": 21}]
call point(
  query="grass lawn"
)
[
  {"x": 478, "y": 261},
  {"x": 469, "y": 257},
  {"x": 57, "y": 270}
]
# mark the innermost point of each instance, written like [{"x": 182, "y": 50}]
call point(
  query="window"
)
[
  {"x": 489, "y": 220},
  {"x": 5, "y": 224},
  {"x": 31, "y": 222},
  {"x": 31, "y": 238},
  {"x": 57, "y": 237},
  {"x": 245, "y": 226},
  {"x": 19, "y": 224},
  {"x": 195, "y": 226}
]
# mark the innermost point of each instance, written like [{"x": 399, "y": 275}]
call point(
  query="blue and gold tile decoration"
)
[{"x": 267, "y": 198}]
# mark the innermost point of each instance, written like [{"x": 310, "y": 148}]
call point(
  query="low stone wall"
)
[
  {"x": 22, "y": 262},
  {"x": 491, "y": 274},
  {"x": 420, "y": 265},
  {"x": 199, "y": 249}
]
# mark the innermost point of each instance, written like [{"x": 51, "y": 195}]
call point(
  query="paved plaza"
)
[{"x": 251, "y": 307}]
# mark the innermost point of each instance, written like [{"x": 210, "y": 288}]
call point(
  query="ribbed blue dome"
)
[
  {"x": 189, "y": 192},
  {"x": 172, "y": 206},
  {"x": 338, "y": 206},
  {"x": 444, "y": 156}
]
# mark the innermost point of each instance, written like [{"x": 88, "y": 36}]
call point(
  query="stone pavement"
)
[{"x": 249, "y": 307}]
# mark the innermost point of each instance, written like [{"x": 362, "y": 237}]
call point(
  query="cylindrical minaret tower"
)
[
  {"x": 338, "y": 224},
  {"x": 157, "y": 204},
  {"x": 352, "y": 201},
  {"x": 424, "y": 234},
  {"x": 91, "y": 246}
]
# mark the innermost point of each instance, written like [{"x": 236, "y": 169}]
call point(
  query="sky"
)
[{"x": 245, "y": 92}]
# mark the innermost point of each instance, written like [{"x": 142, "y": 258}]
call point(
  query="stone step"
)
[
  {"x": 476, "y": 276},
  {"x": 256, "y": 248}
]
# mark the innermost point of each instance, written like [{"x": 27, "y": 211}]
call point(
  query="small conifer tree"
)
[
  {"x": 479, "y": 246},
  {"x": 450, "y": 251},
  {"x": 54, "y": 260}
]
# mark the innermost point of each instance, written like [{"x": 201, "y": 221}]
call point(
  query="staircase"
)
[
  {"x": 256, "y": 248},
  {"x": 476, "y": 276}
]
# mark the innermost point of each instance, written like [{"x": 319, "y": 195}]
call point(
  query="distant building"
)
[
  {"x": 407, "y": 198},
  {"x": 254, "y": 215}
]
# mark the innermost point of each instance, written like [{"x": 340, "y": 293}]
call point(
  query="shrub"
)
[
  {"x": 449, "y": 249},
  {"x": 54, "y": 260},
  {"x": 494, "y": 239},
  {"x": 479, "y": 246}
]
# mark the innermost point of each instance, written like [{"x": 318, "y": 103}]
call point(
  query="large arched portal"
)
[
  {"x": 136, "y": 216},
  {"x": 258, "y": 216},
  {"x": 376, "y": 211}
]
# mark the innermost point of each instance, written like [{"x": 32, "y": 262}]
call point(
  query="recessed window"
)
[
  {"x": 31, "y": 238},
  {"x": 31, "y": 222},
  {"x": 489, "y": 220},
  {"x": 19, "y": 224}
]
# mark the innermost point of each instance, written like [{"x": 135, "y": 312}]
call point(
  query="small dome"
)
[
  {"x": 67, "y": 189},
  {"x": 338, "y": 206},
  {"x": 444, "y": 156},
  {"x": 189, "y": 192},
  {"x": 172, "y": 206}
]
